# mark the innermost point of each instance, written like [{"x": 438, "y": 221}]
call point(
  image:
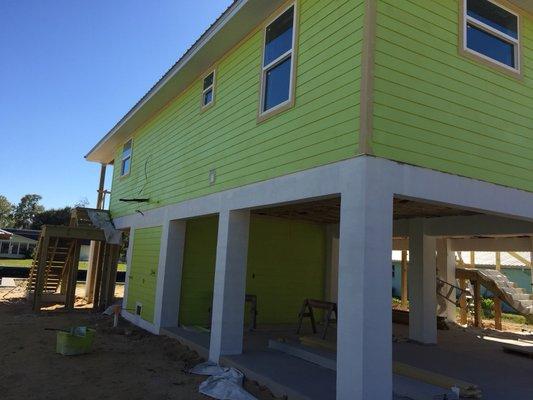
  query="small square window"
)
[
  {"x": 492, "y": 33},
  {"x": 278, "y": 62},
  {"x": 125, "y": 165},
  {"x": 208, "y": 93}
]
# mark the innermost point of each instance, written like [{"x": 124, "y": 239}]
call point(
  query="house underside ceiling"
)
[{"x": 328, "y": 211}]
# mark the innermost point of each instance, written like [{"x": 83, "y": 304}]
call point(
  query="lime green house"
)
[{"x": 283, "y": 152}]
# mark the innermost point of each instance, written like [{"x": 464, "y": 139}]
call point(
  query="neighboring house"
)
[
  {"x": 295, "y": 137},
  {"x": 4, "y": 235},
  {"x": 20, "y": 244}
]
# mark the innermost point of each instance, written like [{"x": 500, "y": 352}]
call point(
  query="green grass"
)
[{"x": 9, "y": 262}]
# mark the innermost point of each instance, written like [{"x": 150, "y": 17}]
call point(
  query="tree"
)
[
  {"x": 82, "y": 203},
  {"x": 53, "y": 216},
  {"x": 26, "y": 210},
  {"x": 6, "y": 212}
]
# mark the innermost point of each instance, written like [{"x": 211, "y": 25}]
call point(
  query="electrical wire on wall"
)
[
  {"x": 145, "y": 173},
  {"x": 139, "y": 199}
]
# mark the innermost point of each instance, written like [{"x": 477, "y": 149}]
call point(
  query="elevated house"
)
[{"x": 280, "y": 156}]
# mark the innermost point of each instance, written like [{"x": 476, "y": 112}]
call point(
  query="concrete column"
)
[
  {"x": 422, "y": 284},
  {"x": 169, "y": 274},
  {"x": 446, "y": 272},
  {"x": 227, "y": 323},
  {"x": 129, "y": 256},
  {"x": 364, "y": 344}
]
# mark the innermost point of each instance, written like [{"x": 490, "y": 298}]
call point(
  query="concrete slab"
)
[
  {"x": 464, "y": 354},
  {"x": 196, "y": 340}
]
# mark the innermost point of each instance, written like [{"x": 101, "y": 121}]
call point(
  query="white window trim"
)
[
  {"x": 515, "y": 42},
  {"x": 265, "y": 68},
  {"x": 211, "y": 87},
  {"x": 122, "y": 158}
]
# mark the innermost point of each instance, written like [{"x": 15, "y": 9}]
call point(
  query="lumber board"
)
[
  {"x": 73, "y": 275},
  {"x": 41, "y": 265},
  {"x": 467, "y": 390},
  {"x": 79, "y": 232}
]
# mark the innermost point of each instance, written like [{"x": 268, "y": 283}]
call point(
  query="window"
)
[
  {"x": 208, "y": 94},
  {"x": 492, "y": 33},
  {"x": 125, "y": 165},
  {"x": 278, "y": 62}
]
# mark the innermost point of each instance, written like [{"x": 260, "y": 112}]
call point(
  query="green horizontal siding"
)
[
  {"x": 437, "y": 109},
  {"x": 286, "y": 264},
  {"x": 143, "y": 271},
  {"x": 174, "y": 152},
  {"x": 198, "y": 274}
]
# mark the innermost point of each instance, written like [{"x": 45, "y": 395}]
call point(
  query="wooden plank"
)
[
  {"x": 462, "y": 302},
  {"x": 518, "y": 257},
  {"x": 73, "y": 275},
  {"x": 41, "y": 265},
  {"x": 102, "y": 256},
  {"x": 96, "y": 249},
  {"x": 79, "y": 232},
  {"x": 466, "y": 389},
  {"x": 477, "y": 304},
  {"x": 497, "y": 313},
  {"x": 107, "y": 292}
]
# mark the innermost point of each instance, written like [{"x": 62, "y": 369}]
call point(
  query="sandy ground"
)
[{"x": 126, "y": 363}]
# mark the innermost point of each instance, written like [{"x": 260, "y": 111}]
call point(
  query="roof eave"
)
[{"x": 234, "y": 24}]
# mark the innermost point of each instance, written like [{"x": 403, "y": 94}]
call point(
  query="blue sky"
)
[{"x": 69, "y": 70}]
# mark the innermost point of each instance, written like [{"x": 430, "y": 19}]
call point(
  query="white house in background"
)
[{"x": 19, "y": 243}]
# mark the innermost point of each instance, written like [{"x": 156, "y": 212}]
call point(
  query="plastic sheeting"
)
[
  {"x": 223, "y": 383},
  {"x": 101, "y": 219}
]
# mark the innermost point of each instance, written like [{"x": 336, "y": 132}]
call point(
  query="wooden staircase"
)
[
  {"x": 59, "y": 255},
  {"x": 54, "y": 270}
]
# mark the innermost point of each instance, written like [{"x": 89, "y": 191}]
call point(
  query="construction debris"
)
[
  {"x": 466, "y": 390},
  {"x": 223, "y": 383}
]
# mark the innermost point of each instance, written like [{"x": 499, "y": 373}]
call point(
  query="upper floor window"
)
[
  {"x": 278, "y": 62},
  {"x": 208, "y": 93},
  {"x": 492, "y": 32},
  {"x": 125, "y": 164}
]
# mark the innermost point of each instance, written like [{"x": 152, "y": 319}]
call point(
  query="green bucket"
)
[{"x": 78, "y": 341}]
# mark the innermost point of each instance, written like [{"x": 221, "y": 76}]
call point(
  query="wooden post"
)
[
  {"x": 100, "y": 198},
  {"x": 94, "y": 257},
  {"x": 41, "y": 266},
  {"x": 463, "y": 303},
  {"x": 404, "y": 292},
  {"x": 497, "y": 301},
  {"x": 497, "y": 313},
  {"x": 95, "y": 247},
  {"x": 477, "y": 304},
  {"x": 73, "y": 278},
  {"x": 102, "y": 259},
  {"x": 472, "y": 259},
  {"x": 107, "y": 292}
]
